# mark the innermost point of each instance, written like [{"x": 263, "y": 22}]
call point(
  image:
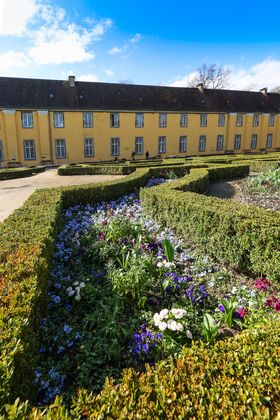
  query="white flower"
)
[
  {"x": 76, "y": 283},
  {"x": 172, "y": 325},
  {"x": 179, "y": 326},
  {"x": 169, "y": 264},
  {"x": 68, "y": 289},
  {"x": 82, "y": 285},
  {"x": 162, "y": 326},
  {"x": 159, "y": 264},
  {"x": 178, "y": 313},
  {"x": 71, "y": 293},
  {"x": 156, "y": 319},
  {"x": 233, "y": 290},
  {"x": 163, "y": 313},
  {"x": 189, "y": 334}
]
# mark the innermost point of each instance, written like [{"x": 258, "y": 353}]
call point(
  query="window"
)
[
  {"x": 269, "y": 140},
  {"x": 239, "y": 120},
  {"x": 221, "y": 120},
  {"x": 87, "y": 119},
  {"x": 203, "y": 120},
  {"x": 202, "y": 143},
  {"x": 27, "y": 119},
  {"x": 220, "y": 142},
  {"x": 1, "y": 151},
  {"x": 162, "y": 145},
  {"x": 183, "y": 120},
  {"x": 254, "y": 141},
  {"x": 182, "y": 144},
  {"x": 29, "y": 150},
  {"x": 115, "y": 146},
  {"x": 139, "y": 119},
  {"x": 255, "y": 120},
  {"x": 89, "y": 148},
  {"x": 162, "y": 119},
  {"x": 58, "y": 118},
  {"x": 237, "y": 141},
  {"x": 60, "y": 149},
  {"x": 114, "y": 120},
  {"x": 271, "y": 120},
  {"x": 139, "y": 145}
]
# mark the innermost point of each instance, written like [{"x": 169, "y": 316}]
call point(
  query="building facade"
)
[{"x": 58, "y": 122}]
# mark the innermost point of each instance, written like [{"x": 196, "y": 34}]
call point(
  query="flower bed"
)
[{"x": 125, "y": 292}]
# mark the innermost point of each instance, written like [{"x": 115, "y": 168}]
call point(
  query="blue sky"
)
[{"x": 147, "y": 42}]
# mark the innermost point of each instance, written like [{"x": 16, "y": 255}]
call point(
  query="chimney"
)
[
  {"x": 71, "y": 81},
  {"x": 264, "y": 91},
  {"x": 200, "y": 87}
]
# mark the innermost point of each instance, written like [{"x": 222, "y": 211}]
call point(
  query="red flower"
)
[{"x": 262, "y": 284}]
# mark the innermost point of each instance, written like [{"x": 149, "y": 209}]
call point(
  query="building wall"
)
[{"x": 44, "y": 134}]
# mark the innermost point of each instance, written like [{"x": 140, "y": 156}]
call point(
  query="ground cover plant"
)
[
  {"x": 266, "y": 183},
  {"x": 125, "y": 292}
]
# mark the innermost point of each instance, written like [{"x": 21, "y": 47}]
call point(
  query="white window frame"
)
[
  {"x": 254, "y": 141},
  {"x": 237, "y": 142},
  {"x": 220, "y": 142},
  {"x": 184, "y": 120},
  {"x": 221, "y": 120},
  {"x": 161, "y": 145},
  {"x": 269, "y": 140},
  {"x": 256, "y": 120},
  {"x": 203, "y": 120},
  {"x": 139, "y": 119},
  {"x": 60, "y": 149},
  {"x": 87, "y": 119},
  {"x": 115, "y": 146},
  {"x": 139, "y": 145},
  {"x": 114, "y": 121},
  {"x": 58, "y": 119},
  {"x": 29, "y": 149},
  {"x": 202, "y": 142},
  {"x": 183, "y": 144},
  {"x": 88, "y": 147},
  {"x": 27, "y": 119},
  {"x": 271, "y": 120},
  {"x": 162, "y": 119},
  {"x": 239, "y": 120},
  {"x": 1, "y": 151}
]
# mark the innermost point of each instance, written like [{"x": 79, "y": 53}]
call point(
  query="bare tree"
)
[
  {"x": 212, "y": 76},
  {"x": 276, "y": 89}
]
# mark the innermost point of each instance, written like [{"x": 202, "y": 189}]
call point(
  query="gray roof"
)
[{"x": 21, "y": 93}]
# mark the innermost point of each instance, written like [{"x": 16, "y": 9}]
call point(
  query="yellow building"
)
[{"x": 58, "y": 122}]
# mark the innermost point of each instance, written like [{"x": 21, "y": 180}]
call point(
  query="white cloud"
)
[
  {"x": 137, "y": 37},
  {"x": 109, "y": 72},
  {"x": 263, "y": 74},
  {"x": 115, "y": 50},
  {"x": 100, "y": 28},
  {"x": 184, "y": 81},
  {"x": 15, "y": 15},
  {"x": 12, "y": 59},
  {"x": 120, "y": 50},
  {"x": 89, "y": 77},
  {"x": 53, "y": 38}
]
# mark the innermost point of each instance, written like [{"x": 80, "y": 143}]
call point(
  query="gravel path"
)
[{"x": 14, "y": 192}]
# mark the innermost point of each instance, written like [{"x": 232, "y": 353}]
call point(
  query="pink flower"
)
[{"x": 262, "y": 284}]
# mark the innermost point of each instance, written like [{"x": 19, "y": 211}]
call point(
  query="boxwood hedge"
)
[
  {"x": 19, "y": 172},
  {"x": 235, "y": 378}
]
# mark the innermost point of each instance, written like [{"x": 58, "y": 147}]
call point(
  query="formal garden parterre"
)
[{"x": 185, "y": 296}]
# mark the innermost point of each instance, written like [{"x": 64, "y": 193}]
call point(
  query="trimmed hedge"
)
[
  {"x": 232, "y": 378},
  {"x": 245, "y": 237},
  {"x": 26, "y": 245},
  {"x": 19, "y": 172},
  {"x": 236, "y": 378}
]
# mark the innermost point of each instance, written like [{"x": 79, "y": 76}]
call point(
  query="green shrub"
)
[
  {"x": 243, "y": 236},
  {"x": 236, "y": 378},
  {"x": 19, "y": 172}
]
